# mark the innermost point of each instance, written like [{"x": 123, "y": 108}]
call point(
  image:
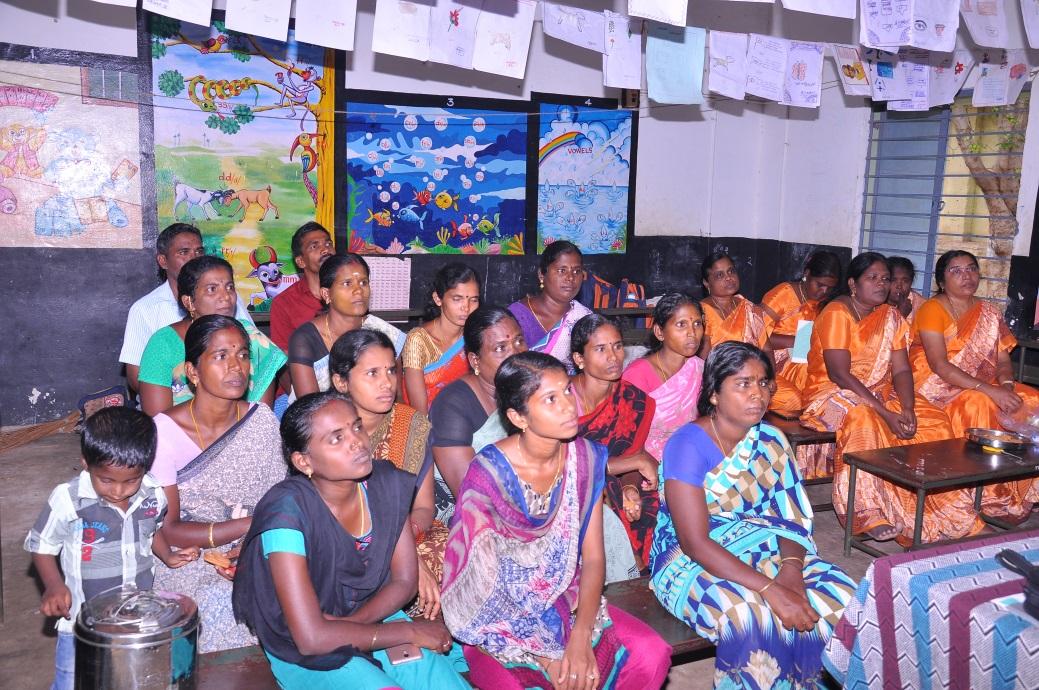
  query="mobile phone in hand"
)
[{"x": 403, "y": 654}]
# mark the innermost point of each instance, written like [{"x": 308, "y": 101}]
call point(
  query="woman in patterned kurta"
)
[
  {"x": 733, "y": 554},
  {"x": 363, "y": 366}
]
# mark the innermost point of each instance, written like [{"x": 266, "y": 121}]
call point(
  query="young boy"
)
[{"x": 104, "y": 523}]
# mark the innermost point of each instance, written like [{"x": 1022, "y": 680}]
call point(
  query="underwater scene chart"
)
[
  {"x": 437, "y": 175},
  {"x": 585, "y": 163}
]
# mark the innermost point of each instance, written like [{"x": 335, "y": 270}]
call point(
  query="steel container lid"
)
[{"x": 127, "y": 617}]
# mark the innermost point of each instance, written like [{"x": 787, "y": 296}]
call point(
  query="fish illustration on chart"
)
[
  {"x": 408, "y": 215},
  {"x": 382, "y": 217},
  {"x": 463, "y": 231},
  {"x": 444, "y": 201},
  {"x": 486, "y": 225},
  {"x": 423, "y": 197}
]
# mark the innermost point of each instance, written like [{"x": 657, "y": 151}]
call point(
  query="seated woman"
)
[
  {"x": 347, "y": 294},
  {"x": 788, "y": 304},
  {"x": 548, "y": 317},
  {"x": 727, "y": 314},
  {"x": 860, "y": 385},
  {"x": 433, "y": 354},
  {"x": 206, "y": 286},
  {"x": 217, "y": 455},
  {"x": 329, "y": 561},
  {"x": 464, "y": 415},
  {"x": 363, "y": 366},
  {"x": 671, "y": 372},
  {"x": 523, "y": 576},
  {"x": 733, "y": 554},
  {"x": 618, "y": 415},
  {"x": 961, "y": 363},
  {"x": 902, "y": 296}
]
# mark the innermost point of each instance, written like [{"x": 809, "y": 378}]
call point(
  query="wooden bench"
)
[
  {"x": 248, "y": 669},
  {"x": 636, "y": 598},
  {"x": 235, "y": 669},
  {"x": 803, "y": 436}
]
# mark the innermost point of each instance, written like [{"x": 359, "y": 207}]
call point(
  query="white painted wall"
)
[{"x": 725, "y": 168}]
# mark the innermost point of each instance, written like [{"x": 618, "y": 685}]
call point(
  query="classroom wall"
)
[{"x": 762, "y": 180}]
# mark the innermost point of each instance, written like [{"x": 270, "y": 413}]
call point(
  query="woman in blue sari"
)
[{"x": 733, "y": 554}]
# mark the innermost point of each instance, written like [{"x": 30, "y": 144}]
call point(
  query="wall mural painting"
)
[
  {"x": 243, "y": 145},
  {"x": 435, "y": 175},
  {"x": 585, "y": 190},
  {"x": 69, "y": 154}
]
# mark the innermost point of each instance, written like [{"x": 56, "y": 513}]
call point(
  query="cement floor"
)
[{"x": 28, "y": 474}]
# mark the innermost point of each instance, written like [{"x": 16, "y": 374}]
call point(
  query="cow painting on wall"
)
[{"x": 242, "y": 144}]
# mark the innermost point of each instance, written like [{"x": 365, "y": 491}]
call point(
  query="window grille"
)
[
  {"x": 108, "y": 87},
  {"x": 921, "y": 197}
]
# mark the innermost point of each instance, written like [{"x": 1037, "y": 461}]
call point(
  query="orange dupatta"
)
[
  {"x": 870, "y": 343},
  {"x": 747, "y": 324},
  {"x": 973, "y": 343}
]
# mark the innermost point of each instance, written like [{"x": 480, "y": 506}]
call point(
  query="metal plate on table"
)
[{"x": 997, "y": 440}]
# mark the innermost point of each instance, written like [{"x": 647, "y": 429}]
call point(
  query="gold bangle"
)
[
  {"x": 212, "y": 545},
  {"x": 375, "y": 636},
  {"x": 1003, "y": 383},
  {"x": 800, "y": 561},
  {"x": 761, "y": 592}
]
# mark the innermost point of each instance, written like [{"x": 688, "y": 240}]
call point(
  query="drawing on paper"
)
[
  {"x": 69, "y": 155},
  {"x": 242, "y": 145},
  {"x": 584, "y": 175},
  {"x": 430, "y": 176}
]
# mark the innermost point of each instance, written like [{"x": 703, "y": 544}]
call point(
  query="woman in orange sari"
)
[
  {"x": 860, "y": 385},
  {"x": 961, "y": 363},
  {"x": 727, "y": 314},
  {"x": 433, "y": 354},
  {"x": 788, "y": 304}
]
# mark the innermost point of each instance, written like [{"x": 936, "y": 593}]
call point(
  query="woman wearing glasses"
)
[
  {"x": 547, "y": 318},
  {"x": 961, "y": 363}
]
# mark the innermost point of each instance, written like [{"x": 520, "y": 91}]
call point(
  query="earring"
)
[
  {"x": 191, "y": 313},
  {"x": 581, "y": 367},
  {"x": 541, "y": 284},
  {"x": 476, "y": 370},
  {"x": 523, "y": 430},
  {"x": 804, "y": 279},
  {"x": 309, "y": 472}
]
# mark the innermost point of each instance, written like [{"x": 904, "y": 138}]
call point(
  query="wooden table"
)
[{"x": 923, "y": 467}]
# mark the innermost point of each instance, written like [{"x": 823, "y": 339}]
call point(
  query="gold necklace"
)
[
  {"x": 198, "y": 433},
  {"x": 536, "y": 317},
  {"x": 718, "y": 438},
  {"x": 732, "y": 304},
  {"x": 664, "y": 376},
  {"x": 523, "y": 457},
  {"x": 801, "y": 293},
  {"x": 328, "y": 331},
  {"x": 952, "y": 307},
  {"x": 858, "y": 316}
]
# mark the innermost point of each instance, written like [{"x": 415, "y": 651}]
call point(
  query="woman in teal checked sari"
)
[{"x": 733, "y": 554}]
